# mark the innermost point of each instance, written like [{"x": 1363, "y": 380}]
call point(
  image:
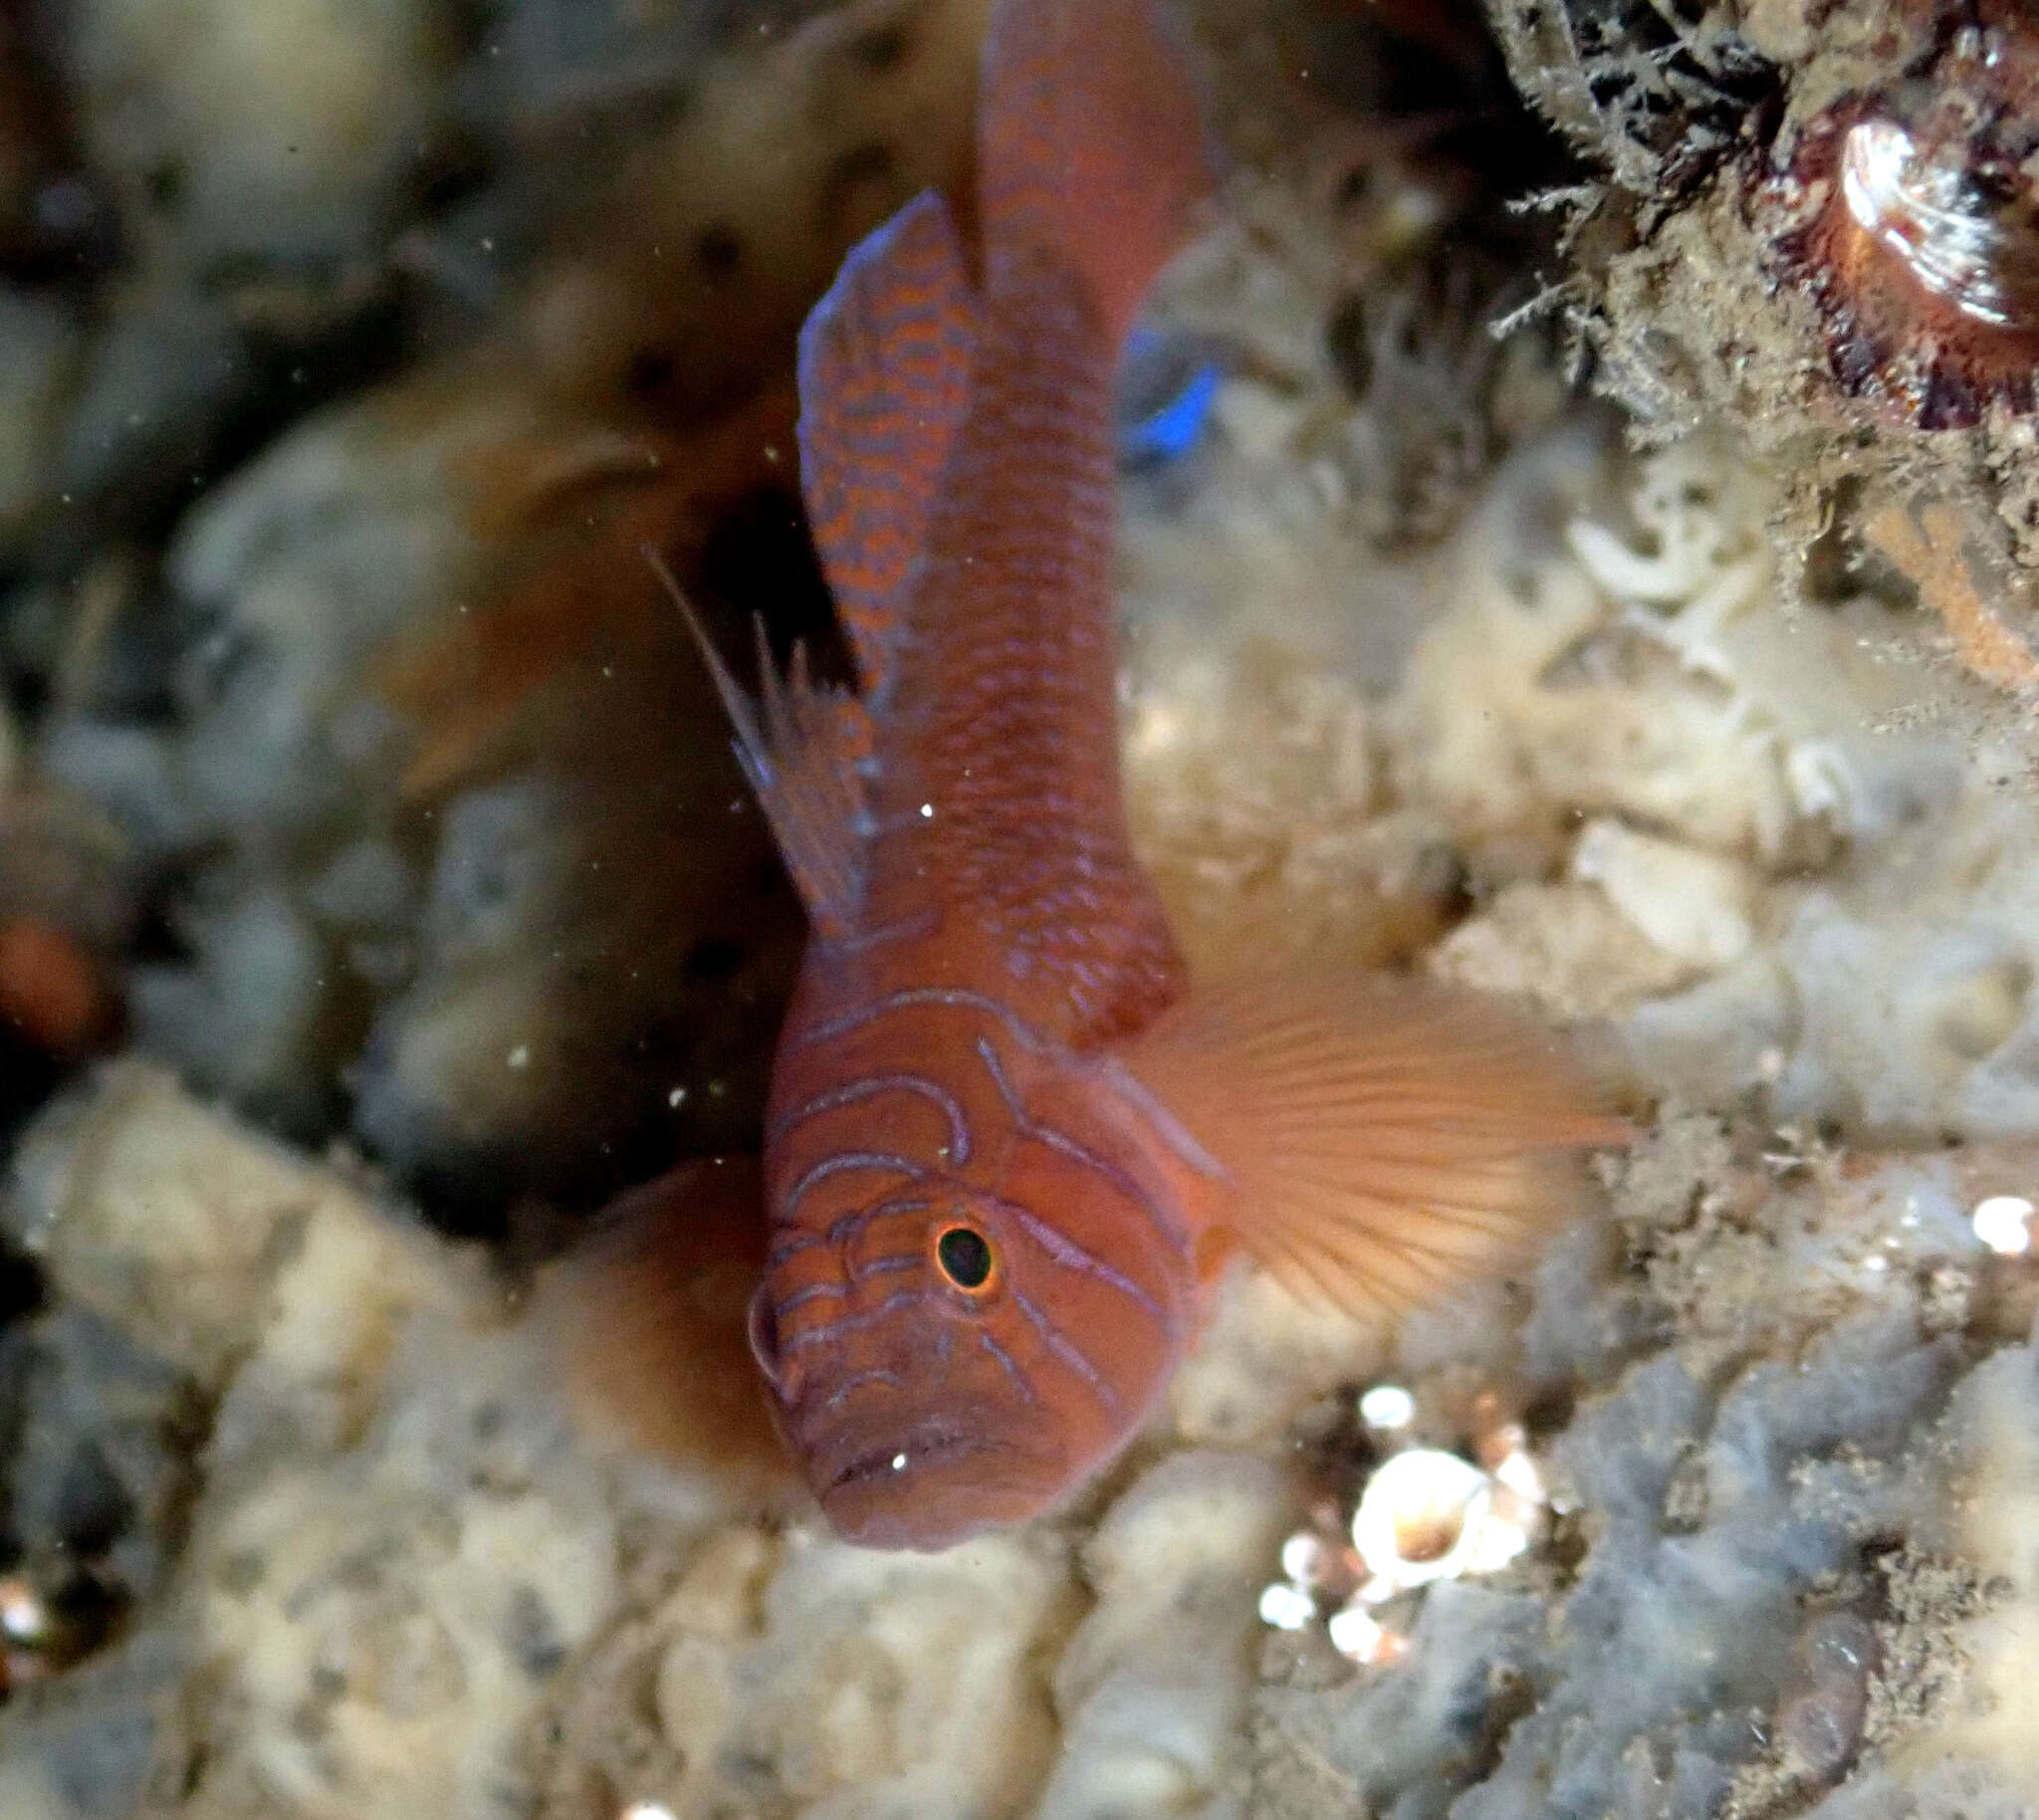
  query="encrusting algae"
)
[{"x": 1709, "y": 1511}]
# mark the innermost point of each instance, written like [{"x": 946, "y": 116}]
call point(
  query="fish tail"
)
[
  {"x": 1377, "y": 1138},
  {"x": 1090, "y": 143}
]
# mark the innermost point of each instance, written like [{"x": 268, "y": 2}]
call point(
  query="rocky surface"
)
[{"x": 1621, "y": 658}]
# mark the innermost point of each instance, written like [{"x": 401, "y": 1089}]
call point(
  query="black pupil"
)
[{"x": 965, "y": 1258}]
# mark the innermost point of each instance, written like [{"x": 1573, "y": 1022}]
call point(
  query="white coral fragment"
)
[{"x": 1694, "y": 905}]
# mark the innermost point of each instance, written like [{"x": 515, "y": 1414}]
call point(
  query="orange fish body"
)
[{"x": 1008, "y": 1150}]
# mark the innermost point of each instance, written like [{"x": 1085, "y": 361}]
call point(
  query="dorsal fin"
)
[
  {"x": 1091, "y": 144},
  {"x": 802, "y": 745},
  {"x": 885, "y": 376}
]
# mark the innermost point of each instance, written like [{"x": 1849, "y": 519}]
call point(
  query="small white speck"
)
[
  {"x": 1355, "y": 1634},
  {"x": 676, "y": 1098},
  {"x": 1286, "y": 1607},
  {"x": 2003, "y": 1224},
  {"x": 1303, "y": 1559},
  {"x": 927, "y": 812},
  {"x": 23, "y": 1615},
  {"x": 898, "y": 1463},
  {"x": 647, "y": 1810},
  {"x": 1518, "y": 1473},
  {"x": 1387, "y": 1405},
  {"x": 520, "y": 1056},
  {"x": 1874, "y": 1264}
]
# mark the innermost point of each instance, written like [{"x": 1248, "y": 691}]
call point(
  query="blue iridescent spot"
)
[{"x": 1167, "y": 387}]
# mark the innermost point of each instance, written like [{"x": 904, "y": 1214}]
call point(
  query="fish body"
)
[
  {"x": 1009, "y": 1149},
  {"x": 981, "y": 927}
]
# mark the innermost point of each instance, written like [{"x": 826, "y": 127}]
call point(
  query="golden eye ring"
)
[{"x": 965, "y": 1258}]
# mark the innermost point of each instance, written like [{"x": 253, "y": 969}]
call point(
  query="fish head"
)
[{"x": 957, "y": 1357}]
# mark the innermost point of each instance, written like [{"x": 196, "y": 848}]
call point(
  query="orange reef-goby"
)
[{"x": 1011, "y": 1147}]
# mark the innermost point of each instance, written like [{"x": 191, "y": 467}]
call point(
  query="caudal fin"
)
[
  {"x": 1383, "y": 1137},
  {"x": 1090, "y": 140}
]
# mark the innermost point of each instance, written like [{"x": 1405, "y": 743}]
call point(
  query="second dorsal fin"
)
[{"x": 884, "y": 378}]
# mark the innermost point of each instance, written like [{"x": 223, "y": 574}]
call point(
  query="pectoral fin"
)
[
  {"x": 647, "y": 1318},
  {"x": 1381, "y": 1137}
]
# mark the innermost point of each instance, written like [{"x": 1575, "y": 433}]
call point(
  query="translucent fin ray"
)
[
  {"x": 801, "y": 745},
  {"x": 1382, "y": 1137}
]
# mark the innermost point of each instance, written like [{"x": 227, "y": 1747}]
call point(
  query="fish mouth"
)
[
  {"x": 929, "y": 1487},
  {"x": 925, "y": 1446}
]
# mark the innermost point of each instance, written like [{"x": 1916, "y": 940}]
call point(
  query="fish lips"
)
[{"x": 928, "y": 1485}]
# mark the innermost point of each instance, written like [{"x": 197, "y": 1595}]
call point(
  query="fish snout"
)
[{"x": 930, "y": 1484}]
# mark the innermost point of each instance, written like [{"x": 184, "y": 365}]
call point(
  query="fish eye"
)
[{"x": 965, "y": 1256}]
